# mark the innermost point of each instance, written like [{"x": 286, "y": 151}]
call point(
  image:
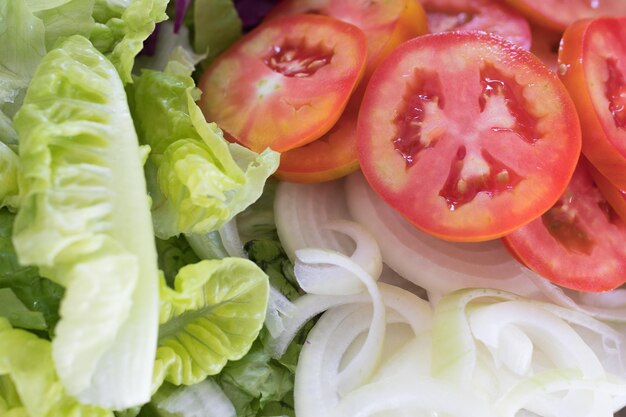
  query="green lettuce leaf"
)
[
  {"x": 63, "y": 18},
  {"x": 22, "y": 36},
  {"x": 121, "y": 28},
  {"x": 213, "y": 315},
  {"x": 29, "y": 385},
  {"x": 84, "y": 220},
  {"x": 197, "y": 180},
  {"x": 36, "y": 293},
  {"x": 9, "y": 167},
  {"x": 174, "y": 254},
  {"x": 224, "y": 30},
  {"x": 16, "y": 312}
]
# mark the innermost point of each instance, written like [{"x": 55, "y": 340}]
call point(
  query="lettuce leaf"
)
[
  {"x": 22, "y": 36},
  {"x": 121, "y": 28},
  {"x": 16, "y": 312},
  {"x": 37, "y": 294},
  {"x": 29, "y": 385},
  {"x": 197, "y": 180},
  {"x": 174, "y": 254},
  {"x": 63, "y": 18},
  {"x": 9, "y": 166},
  {"x": 84, "y": 220},
  {"x": 224, "y": 30},
  {"x": 213, "y": 315}
]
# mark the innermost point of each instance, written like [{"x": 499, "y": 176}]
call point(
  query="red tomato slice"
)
[
  {"x": 487, "y": 15},
  {"x": 285, "y": 83},
  {"x": 615, "y": 196},
  {"x": 578, "y": 243},
  {"x": 559, "y": 14},
  {"x": 386, "y": 25},
  {"x": 330, "y": 157},
  {"x": 592, "y": 65},
  {"x": 467, "y": 135}
]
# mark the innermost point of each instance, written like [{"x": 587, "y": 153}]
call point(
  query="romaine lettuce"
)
[
  {"x": 84, "y": 219},
  {"x": 29, "y": 386},
  {"x": 212, "y": 316},
  {"x": 122, "y": 26},
  {"x": 197, "y": 181}
]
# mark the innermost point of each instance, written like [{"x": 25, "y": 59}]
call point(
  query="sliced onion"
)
[
  {"x": 278, "y": 307},
  {"x": 433, "y": 396},
  {"x": 302, "y": 212},
  {"x": 336, "y": 280},
  {"x": 231, "y": 240},
  {"x": 438, "y": 266}
]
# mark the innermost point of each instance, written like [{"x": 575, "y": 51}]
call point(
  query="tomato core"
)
[
  {"x": 459, "y": 189},
  {"x": 494, "y": 83},
  {"x": 411, "y": 138},
  {"x": 616, "y": 93},
  {"x": 563, "y": 224},
  {"x": 297, "y": 59}
]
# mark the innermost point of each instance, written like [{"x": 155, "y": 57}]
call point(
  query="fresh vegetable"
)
[
  {"x": 84, "y": 220},
  {"x": 558, "y": 15},
  {"x": 591, "y": 65},
  {"x": 578, "y": 242},
  {"x": 286, "y": 83},
  {"x": 385, "y": 25},
  {"x": 225, "y": 28},
  {"x": 491, "y": 16},
  {"x": 471, "y": 166},
  {"x": 197, "y": 181}
]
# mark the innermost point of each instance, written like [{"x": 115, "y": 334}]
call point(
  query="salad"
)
[{"x": 198, "y": 216}]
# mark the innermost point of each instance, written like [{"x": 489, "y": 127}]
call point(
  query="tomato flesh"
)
[
  {"x": 285, "y": 83},
  {"x": 559, "y": 14},
  {"x": 613, "y": 195},
  {"x": 467, "y": 135},
  {"x": 578, "y": 243},
  {"x": 487, "y": 15},
  {"x": 592, "y": 65}
]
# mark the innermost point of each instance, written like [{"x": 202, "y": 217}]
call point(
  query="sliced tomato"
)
[
  {"x": 578, "y": 243},
  {"x": 285, "y": 83},
  {"x": 592, "y": 65},
  {"x": 330, "y": 157},
  {"x": 467, "y": 135},
  {"x": 487, "y": 15},
  {"x": 386, "y": 25},
  {"x": 615, "y": 196},
  {"x": 559, "y": 14},
  {"x": 545, "y": 46}
]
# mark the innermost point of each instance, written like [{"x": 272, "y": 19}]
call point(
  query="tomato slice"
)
[
  {"x": 467, "y": 135},
  {"x": 487, "y": 15},
  {"x": 578, "y": 243},
  {"x": 285, "y": 83},
  {"x": 592, "y": 65},
  {"x": 330, "y": 157},
  {"x": 559, "y": 14},
  {"x": 386, "y": 25},
  {"x": 615, "y": 196}
]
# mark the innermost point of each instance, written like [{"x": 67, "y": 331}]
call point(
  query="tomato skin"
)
[
  {"x": 615, "y": 197},
  {"x": 491, "y": 16},
  {"x": 578, "y": 245},
  {"x": 334, "y": 155},
  {"x": 418, "y": 189},
  {"x": 255, "y": 90},
  {"x": 575, "y": 55},
  {"x": 545, "y": 46},
  {"x": 557, "y": 16},
  {"x": 330, "y": 157}
]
